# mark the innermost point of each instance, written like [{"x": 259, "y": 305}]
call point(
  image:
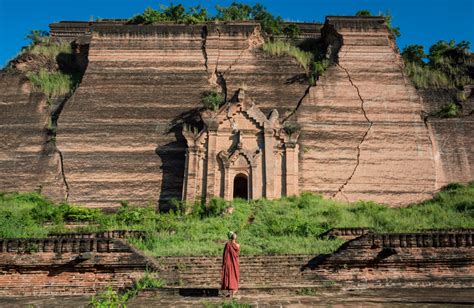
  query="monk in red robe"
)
[{"x": 230, "y": 265}]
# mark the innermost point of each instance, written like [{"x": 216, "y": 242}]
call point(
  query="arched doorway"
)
[{"x": 241, "y": 186}]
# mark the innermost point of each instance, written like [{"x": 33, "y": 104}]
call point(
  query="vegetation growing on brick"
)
[
  {"x": 112, "y": 298},
  {"x": 236, "y": 11},
  {"x": 450, "y": 110},
  {"x": 395, "y": 31},
  {"x": 212, "y": 100},
  {"x": 53, "y": 84},
  {"x": 49, "y": 65},
  {"x": 311, "y": 58},
  {"x": 286, "y": 48}
]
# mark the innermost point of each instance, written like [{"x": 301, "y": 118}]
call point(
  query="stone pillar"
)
[
  {"x": 291, "y": 168},
  {"x": 228, "y": 184},
  {"x": 269, "y": 166},
  {"x": 211, "y": 165},
  {"x": 191, "y": 174},
  {"x": 255, "y": 180}
]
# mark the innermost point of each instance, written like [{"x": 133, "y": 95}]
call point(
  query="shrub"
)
[
  {"x": 173, "y": 13},
  {"x": 212, "y": 100},
  {"x": 214, "y": 208},
  {"x": 109, "y": 298},
  {"x": 363, "y": 13},
  {"x": 291, "y": 127},
  {"x": 37, "y": 36},
  {"x": 450, "y": 110},
  {"x": 147, "y": 281},
  {"x": 135, "y": 215},
  {"x": 292, "y": 31}
]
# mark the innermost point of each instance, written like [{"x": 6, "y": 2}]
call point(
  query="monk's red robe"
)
[{"x": 230, "y": 267}]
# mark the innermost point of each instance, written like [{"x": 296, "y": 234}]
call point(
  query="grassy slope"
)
[{"x": 288, "y": 225}]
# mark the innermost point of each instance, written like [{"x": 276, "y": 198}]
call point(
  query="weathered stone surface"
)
[
  {"x": 363, "y": 135},
  {"x": 28, "y": 162},
  {"x": 117, "y": 132},
  {"x": 451, "y": 137}
]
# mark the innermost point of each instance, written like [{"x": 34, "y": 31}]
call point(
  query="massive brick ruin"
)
[{"x": 364, "y": 134}]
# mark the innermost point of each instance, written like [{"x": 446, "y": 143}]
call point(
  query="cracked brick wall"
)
[
  {"x": 120, "y": 134},
  {"x": 363, "y": 135},
  {"x": 28, "y": 160}
]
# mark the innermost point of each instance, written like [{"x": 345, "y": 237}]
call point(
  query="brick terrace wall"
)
[
  {"x": 371, "y": 260},
  {"x": 85, "y": 265},
  {"x": 66, "y": 266}
]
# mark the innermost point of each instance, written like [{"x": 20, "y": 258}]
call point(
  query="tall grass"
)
[
  {"x": 288, "y": 225},
  {"x": 49, "y": 50},
  {"x": 424, "y": 77},
  {"x": 53, "y": 84},
  {"x": 286, "y": 48}
]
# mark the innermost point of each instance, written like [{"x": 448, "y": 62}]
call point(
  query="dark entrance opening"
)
[{"x": 241, "y": 186}]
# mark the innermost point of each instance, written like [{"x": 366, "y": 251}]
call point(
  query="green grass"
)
[
  {"x": 425, "y": 77},
  {"x": 49, "y": 50},
  {"x": 290, "y": 225},
  {"x": 53, "y": 84},
  {"x": 109, "y": 297},
  {"x": 50, "y": 79},
  {"x": 284, "y": 48}
]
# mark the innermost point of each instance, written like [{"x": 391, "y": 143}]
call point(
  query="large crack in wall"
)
[
  {"x": 217, "y": 77},
  {"x": 364, "y": 137},
  {"x": 203, "y": 47},
  {"x": 55, "y": 113},
  {"x": 306, "y": 92}
]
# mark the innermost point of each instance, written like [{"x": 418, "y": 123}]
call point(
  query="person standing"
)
[{"x": 230, "y": 273}]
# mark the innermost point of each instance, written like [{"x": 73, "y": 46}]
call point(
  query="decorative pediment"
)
[{"x": 240, "y": 103}]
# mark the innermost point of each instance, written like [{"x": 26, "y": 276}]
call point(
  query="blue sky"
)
[{"x": 421, "y": 21}]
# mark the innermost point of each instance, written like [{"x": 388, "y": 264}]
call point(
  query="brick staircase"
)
[
  {"x": 255, "y": 271},
  {"x": 85, "y": 263},
  {"x": 434, "y": 258}
]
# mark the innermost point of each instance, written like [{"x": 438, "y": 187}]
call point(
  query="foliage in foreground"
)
[
  {"x": 109, "y": 298},
  {"x": 288, "y": 225}
]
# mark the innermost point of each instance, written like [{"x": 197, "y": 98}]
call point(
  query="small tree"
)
[
  {"x": 235, "y": 11},
  {"x": 37, "y": 36},
  {"x": 388, "y": 21},
  {"x": 363, "y": 13},
  {"x": 413, "y": 54},
  {"x": 212, "y": 100},
  {"x": 291, "y": 127},
  {"x": 292, "y": 31}
]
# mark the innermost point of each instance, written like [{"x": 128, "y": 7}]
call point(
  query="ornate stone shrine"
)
[{"x": 240, "y": 153}]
